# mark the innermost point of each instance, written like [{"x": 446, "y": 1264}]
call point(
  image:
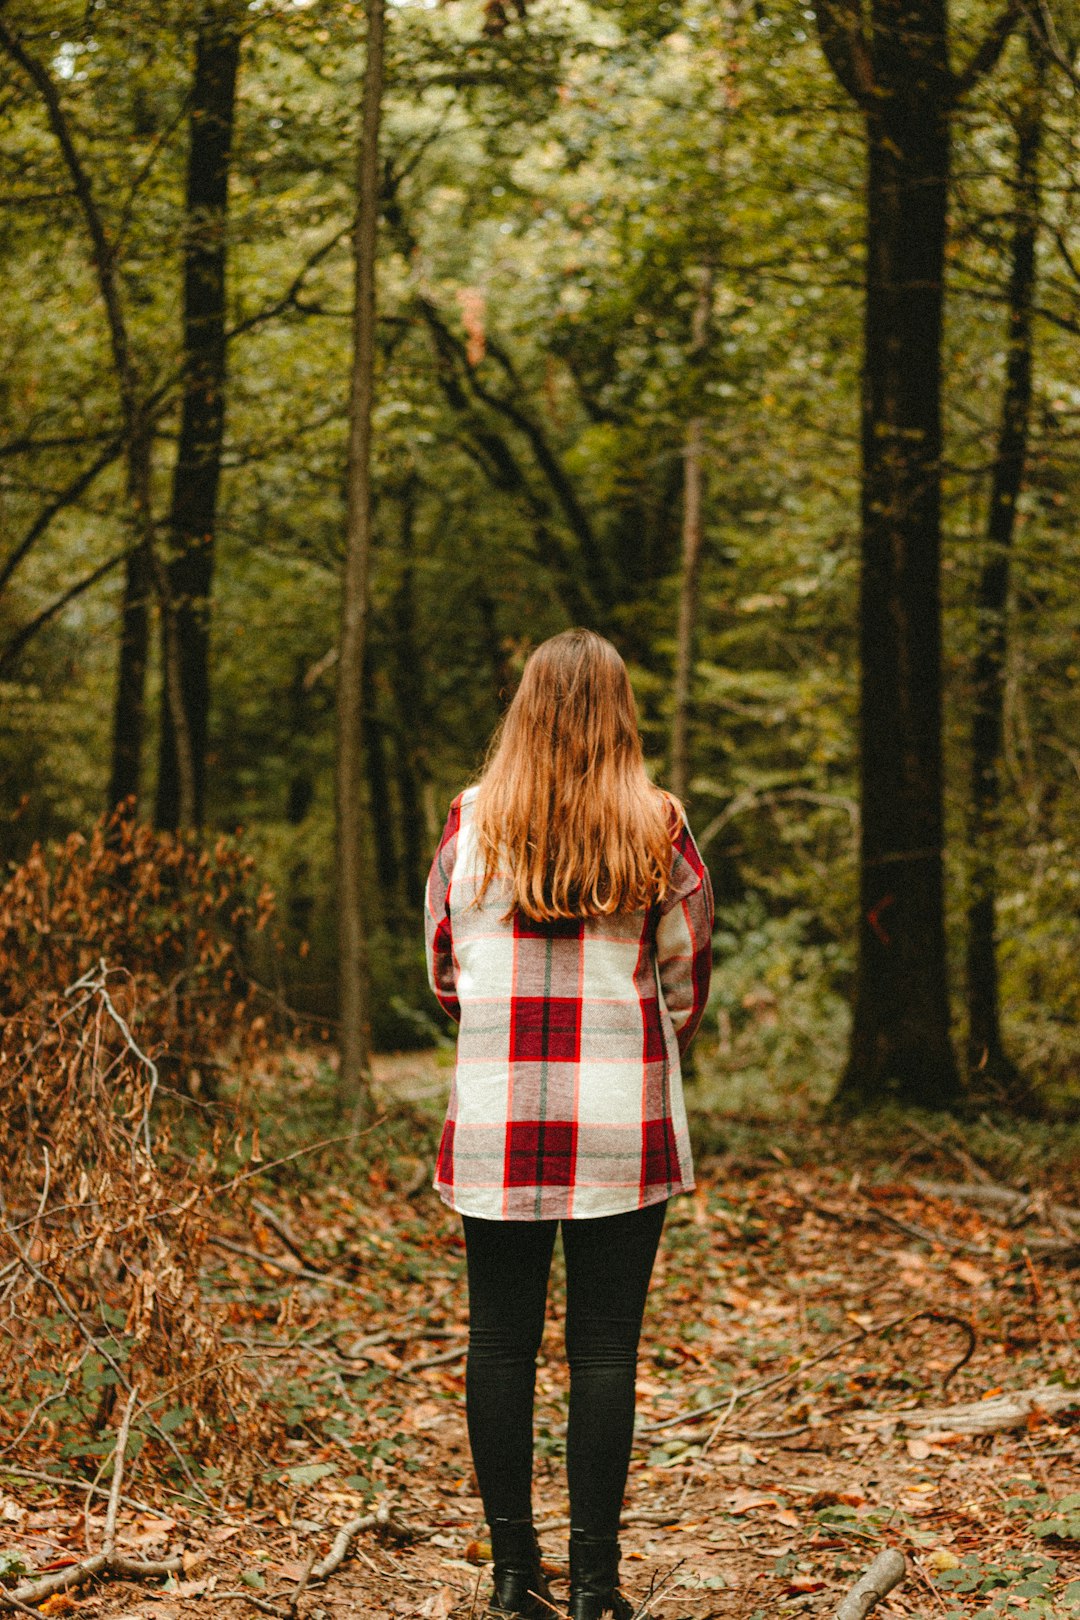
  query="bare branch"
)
[
  {"x": 1043, "y": 28},
  {"x": 839, "y": 25},
  {"x": 18, "y": 641},
  {"x": 67, "y": 497},
  {"x": 887, "y": 1571},
  {"x": 985, "y": 56},
  {"x": 102, "y": 252}
]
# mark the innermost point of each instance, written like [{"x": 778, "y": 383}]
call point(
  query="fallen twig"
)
[
  {"x": 695, "y": 1414},
  {"x": 1017, "y": 1204},
  {"x": 279, "y": 1225},
  {"x": 60, "y": 1580},
  {"x": 440, "y": 1360},
  {"x": 887, "y": 1571},
  {"x": 301, "y": 1585},
  {"x": 291, "y": 1267},
  {"x": 1009, "y": 1411},
  {"x": 249, "y": 1597},
  {"x": 106, "y": 1562},
  {"x": 382, "y": 1519},
  {"x": 109, "y": 1543},
  {"x": 955, "y": 1149},
  {"x": 656, "y": 1586},
  {"x": 635, "y": 1516}
]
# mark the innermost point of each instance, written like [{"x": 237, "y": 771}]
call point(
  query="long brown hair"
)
[{"x": 565, "y": 808}]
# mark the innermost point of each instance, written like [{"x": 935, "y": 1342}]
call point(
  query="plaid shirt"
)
[{"x": 567, "y": 1094}]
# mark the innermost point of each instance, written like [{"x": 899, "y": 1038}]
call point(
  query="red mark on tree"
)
[{"x": 873, "y": 917}]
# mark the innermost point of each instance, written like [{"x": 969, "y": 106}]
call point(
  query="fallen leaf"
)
[
  {"x": 743, "y": 1501},
  {"x": 968, "y": 1273},
  {"x": 57, "y": 1603},
  {"x": 186, "y": 1589},
  {"x": 804, "y": 1583}
]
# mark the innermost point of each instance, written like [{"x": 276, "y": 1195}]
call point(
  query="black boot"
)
[
  {"x": 594, "y": 1578},
  {"x": 520, "y": 1587}
]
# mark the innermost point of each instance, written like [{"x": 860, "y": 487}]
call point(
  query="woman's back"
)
[{"x": 567, "y": 1097}]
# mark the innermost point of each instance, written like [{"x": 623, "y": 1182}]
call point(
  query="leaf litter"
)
[{"x": 809, "y": 1307}]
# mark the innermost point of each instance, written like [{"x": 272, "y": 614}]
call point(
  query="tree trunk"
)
[
  {"x": 986, "y": 1053},
  {"x": 129, "y": 704},
  {"x": 383, "y": 832},
  {"x": 411, "y": 707},
  {"x": 354, "y": 988},
  {"x": 897, "y": 67},
  {"x": 196, "y": 476},
  {"x": 691, "y": 562}
]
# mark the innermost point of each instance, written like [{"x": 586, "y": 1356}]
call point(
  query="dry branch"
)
[
  {"x": 383, "y": 1520},
  {"x": 887, "y": 1571},
  {"x": 695, "y": 1414},
  {"x": 1016, "y": 1204},
  {"x": 107, "y": 1561},
  {"x": 278, "y": 1224},
  {"x": 290, "y": 1267},
  {"x": 1009, "y": 1411}
]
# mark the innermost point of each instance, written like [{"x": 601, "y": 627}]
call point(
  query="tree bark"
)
[
  {"x": 383, "y": 832},
  {"x": 894, "y": 60},
  {"x": 900, "y": 1043},
  {"x": 986, "y": 1053},
  {"x": 354, "y": 1077},
  {"x": 691, "y": 561},
  {"x": 185, "y": 609},
  {"x": 410, "y": 703},
  {"x": 129, "y": 704}
]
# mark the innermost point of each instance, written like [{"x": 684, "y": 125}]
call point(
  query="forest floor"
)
[{"x": 814, "y": 1300}]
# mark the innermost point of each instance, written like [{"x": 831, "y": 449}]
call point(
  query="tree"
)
[
  {"x": 137, "y": 430},
  {"x": 188, "y": 574},
  {"x": 354, "y": 1046},
  {"x": 693, "y": 480},
  {"x": 986, "y": 1052},
  {"x": 893, "y": 59}
]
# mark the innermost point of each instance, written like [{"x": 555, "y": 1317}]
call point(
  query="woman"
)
[{"x": 569, "y": 920}]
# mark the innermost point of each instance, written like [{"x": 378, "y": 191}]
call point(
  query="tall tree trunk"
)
[
  {"x": 181, "y": 788},
  {"x": 900, "y": 1041},
  {"x": 129, "y": 703},
  {"x": 409, "y": 696},
  {"x": 894, "y": 60},
  {"x": 354, "y": 994},
  {"x": 986, "y": 1053},
  {"x": 383, "y": 832},
  {"x": 693, "y": 480}
]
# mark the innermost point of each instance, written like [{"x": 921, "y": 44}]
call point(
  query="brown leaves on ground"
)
[{"x": 803, "y": 1316}]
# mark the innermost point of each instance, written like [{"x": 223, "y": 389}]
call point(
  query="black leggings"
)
[{"x": 609, "y": 1260}]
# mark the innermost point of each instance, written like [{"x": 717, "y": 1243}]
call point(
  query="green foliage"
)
[{"x": 553, "y": 194}]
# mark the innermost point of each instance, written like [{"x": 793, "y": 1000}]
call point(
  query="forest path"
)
[{"x": 776, "y": 1279}]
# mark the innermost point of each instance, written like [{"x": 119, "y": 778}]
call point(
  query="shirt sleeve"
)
[
  {"x": 439, "y": 939},
  {"x": 684, "y": 938}
]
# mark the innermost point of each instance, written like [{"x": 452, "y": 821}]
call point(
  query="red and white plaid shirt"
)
[{"x": 567, "y": 1095}]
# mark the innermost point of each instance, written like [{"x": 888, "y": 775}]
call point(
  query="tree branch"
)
[
  {"x": 67, "y": 496},
  {"x": 839, "y": 26},
  {"x": 987, "y": 52},
  {"x": 40, "y": 620},
  {"x": 101, "y": 250}
]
